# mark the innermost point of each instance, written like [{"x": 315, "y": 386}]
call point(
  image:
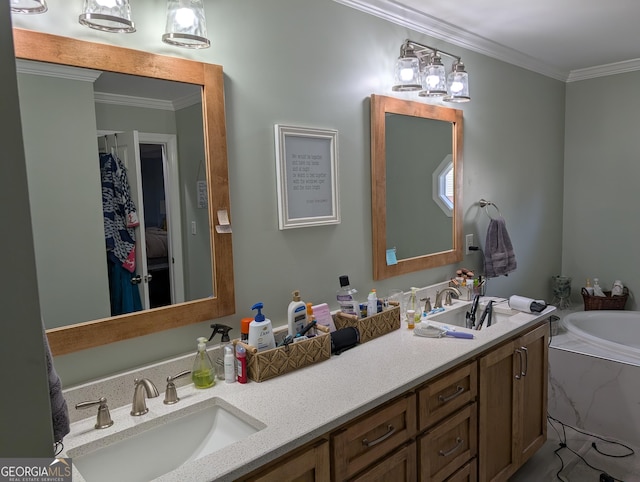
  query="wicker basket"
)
[
  {"x": 372, "y": 326},
  {"x": 263, "y": 365},
  {"x": 607, "y": 302}
]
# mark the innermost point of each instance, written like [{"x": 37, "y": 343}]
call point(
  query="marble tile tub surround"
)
[
  {"x": 597, "y": 395},
  {"x": 118, "y": 389},
  {"x": 355, "y": 375}
]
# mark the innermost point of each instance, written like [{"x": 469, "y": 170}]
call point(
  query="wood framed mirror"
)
[
  {"x": 52, "y": 49},
  {"x": 416, "y": 161}
]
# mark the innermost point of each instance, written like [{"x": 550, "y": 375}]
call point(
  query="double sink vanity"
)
[{"x": 400, "y": 406}]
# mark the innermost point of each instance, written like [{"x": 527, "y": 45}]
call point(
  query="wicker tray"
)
[
  {"x": 372, "y": 326},
  {"x": 268, "y": 364},
  {"x": 607, "y": 302}
]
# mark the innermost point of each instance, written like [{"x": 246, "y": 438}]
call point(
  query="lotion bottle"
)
[
  {"x": 260, "y": 331},
  {"x": 372, "y": 303},
  {"x": 296, "y": 314},
  {"x": 203, "y": 374}
]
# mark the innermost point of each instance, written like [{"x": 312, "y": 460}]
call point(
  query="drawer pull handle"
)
[
  {"x": 390, "y": 431},
  {"x": 459, "y": 443},
  {"x": 457, "y": 393}
]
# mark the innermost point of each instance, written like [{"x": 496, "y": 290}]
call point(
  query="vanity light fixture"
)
[
  {"x": 186, "y": 25},
  {"x": 28, "y": 6},
  {"x": 420, "y": 67},
  {"x": 107, "y": 15}
]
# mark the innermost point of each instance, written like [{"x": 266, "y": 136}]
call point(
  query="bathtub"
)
[{"x": 594, "y": 368}]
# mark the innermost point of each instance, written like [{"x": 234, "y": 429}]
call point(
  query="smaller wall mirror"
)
[{"x": 416, "y": 185}]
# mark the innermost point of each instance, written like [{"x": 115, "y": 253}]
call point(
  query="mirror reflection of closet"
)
[{"x": 68, "y": 113}]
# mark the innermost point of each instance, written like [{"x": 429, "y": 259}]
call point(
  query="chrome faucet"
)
[
  {"x": 448, "y": 291},
  {"x": 143, "y": 388}
]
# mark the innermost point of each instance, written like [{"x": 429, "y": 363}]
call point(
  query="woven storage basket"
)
[
  {"x": 607, "y": 302},
  {"x": 372, "y": 326},
  {"x": 268, "y": 364}
]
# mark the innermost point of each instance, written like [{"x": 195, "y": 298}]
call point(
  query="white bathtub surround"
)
[
  {"x": 338, "y": 389},
  {"x": 599, "y": 396},
  {"x": 593, "y": 383}
]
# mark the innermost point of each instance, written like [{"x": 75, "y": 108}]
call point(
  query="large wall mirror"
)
[
  {"x": 91, "y": 112},
  {"x": 416, "y": 185}
]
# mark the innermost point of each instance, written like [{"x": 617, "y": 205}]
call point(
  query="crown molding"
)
[
  {"x": 132, "y": 101},
  {"x": 420, "y": 22},
  {"x": 56, "y": 70},
  {"x": 604, "y": 70}
]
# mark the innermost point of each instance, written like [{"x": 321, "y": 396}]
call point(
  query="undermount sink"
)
[
  {"x": 151, "y": 449},
  {"x": 457, "y": 316}
]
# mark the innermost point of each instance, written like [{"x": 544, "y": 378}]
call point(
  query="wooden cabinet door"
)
[
  {"x": 311, "y": 465},
  {"x": 498, "y": 412},
  {"x": 532, "y": 391},
  {"x": 397, "y": 467}
]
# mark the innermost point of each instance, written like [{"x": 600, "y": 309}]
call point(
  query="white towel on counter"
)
[{"x": 499, "y": 257}]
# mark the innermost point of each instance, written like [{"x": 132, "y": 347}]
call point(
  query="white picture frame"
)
[{"x": 307, "y": 176}]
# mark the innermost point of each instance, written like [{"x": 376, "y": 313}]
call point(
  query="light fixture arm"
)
[{"x": 421, "y": 48}]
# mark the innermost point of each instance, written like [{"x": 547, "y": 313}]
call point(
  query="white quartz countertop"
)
[{"x": 298, "y": 407}]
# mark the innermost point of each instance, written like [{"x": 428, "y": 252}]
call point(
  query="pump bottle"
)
[
  {"x": 203, "y": 374},
  {"x": 260, "y": 331},
  {"x": 296, "y": 314}
]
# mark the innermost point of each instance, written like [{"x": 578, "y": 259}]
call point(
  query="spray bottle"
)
[{"x": 224, "y": 341}]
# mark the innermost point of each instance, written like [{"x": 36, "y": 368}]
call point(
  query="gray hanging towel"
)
[
  {"x": 59, "y": 411},
  {"x": 499, "y": 258}
]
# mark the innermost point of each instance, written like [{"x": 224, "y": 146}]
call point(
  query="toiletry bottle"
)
[
  {"x": 224, "y": 341},
  {"x": 229, "y": 364},
  {"x": 414, "y": 304},
  {"x": 296, "y": 314},
  {"x": 260, "y": 331},
  {"x": 597, "y": 290},
  {"x": 244, "y": 328},
  {"x": 411, "y": 319},
  {"x": 347, "y": 297},
  {"x": 241, "y": 363},
  {"x": 372, "y": 303},
  {"x": 203, "y": 374},
  {"x": 588, "y": 287},
  {"x": 311, "y": 318}
]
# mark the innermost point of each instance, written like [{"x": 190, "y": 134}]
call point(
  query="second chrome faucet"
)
[{"x": 143, "y": 389}]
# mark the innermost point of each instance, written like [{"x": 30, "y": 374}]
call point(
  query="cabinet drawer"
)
[
  {"x": 449, "y": 445},
  {"x": 468, "y": 473},
  {"x": 372, "y": 436},
  {"x": 438, "y": 399},
  {"x": 400, "y": 466}
]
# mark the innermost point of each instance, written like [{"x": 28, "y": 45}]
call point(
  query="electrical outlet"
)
[{"x": 468, "y": 242}]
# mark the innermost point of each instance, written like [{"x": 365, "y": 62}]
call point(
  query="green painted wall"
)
[{"x": 315, "y": 63}]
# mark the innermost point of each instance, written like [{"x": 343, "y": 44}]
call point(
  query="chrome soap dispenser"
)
[{"x": 203, "y": 373}]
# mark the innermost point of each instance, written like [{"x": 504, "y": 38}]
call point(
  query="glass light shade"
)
[
  {"x": 107, "y": 15},
  {"x": 406, "y": 76},
  {"x": 186, "y": 25},
  {"x": 28, "y": 6},
  {"x": 458, "y": 84},
  {"x": 434, "y": 79}
]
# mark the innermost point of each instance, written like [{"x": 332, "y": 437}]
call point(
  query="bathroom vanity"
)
[{"x": 399, "y": 407}]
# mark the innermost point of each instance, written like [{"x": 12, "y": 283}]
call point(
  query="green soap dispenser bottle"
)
[{"x": 203, "y": 373}]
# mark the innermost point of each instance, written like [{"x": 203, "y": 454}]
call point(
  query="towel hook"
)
[{"x": 485, "y": 204}]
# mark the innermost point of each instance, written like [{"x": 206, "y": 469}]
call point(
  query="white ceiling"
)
[{"x": 563, "y": 39}]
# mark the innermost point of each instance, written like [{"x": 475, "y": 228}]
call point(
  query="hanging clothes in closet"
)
[{"x": 120, "y": 219}]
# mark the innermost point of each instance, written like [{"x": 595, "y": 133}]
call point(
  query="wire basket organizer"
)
[{"x": 607, "y": 302}]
